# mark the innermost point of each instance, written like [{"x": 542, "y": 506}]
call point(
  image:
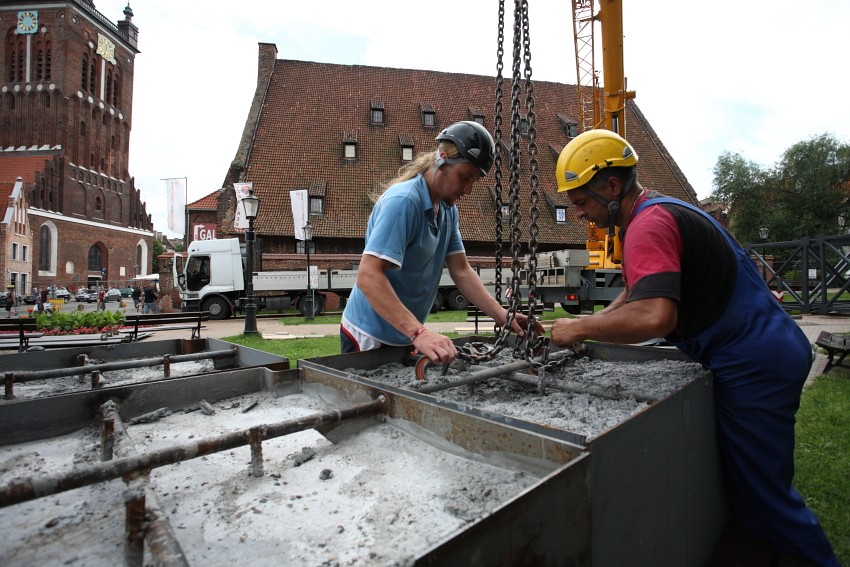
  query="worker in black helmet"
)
[{"x": 412, "y": 232}]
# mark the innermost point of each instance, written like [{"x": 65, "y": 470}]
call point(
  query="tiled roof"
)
[
  {"x": 14, "y": 165},
  {"x": 207, "y": 203},
  {"x": 311, "y": 108}
]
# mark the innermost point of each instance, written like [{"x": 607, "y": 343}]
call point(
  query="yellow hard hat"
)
[{"x": 589, "y": 152}]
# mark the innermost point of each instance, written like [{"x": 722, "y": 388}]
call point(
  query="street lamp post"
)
[
  {"x": 763, "y": 235},
  {"x": 308, "y": 237},
  {"x": 252, "y": 206}
]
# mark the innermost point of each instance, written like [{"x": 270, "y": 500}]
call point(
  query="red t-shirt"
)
[{"x": 674, "y": 252}]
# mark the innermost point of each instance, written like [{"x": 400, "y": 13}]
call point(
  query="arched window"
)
[
  {"x": 115, "y": 99},
  {"x": 95, "y": 259},
  {"x": 92, "y": 77},
  {"x": 108, "y": 85},
  {"x": 98, "y": 205},
  {"x": 45, "y": 244},
  {"x": 142, "y": 258},
  {"x": 17, "y": 59},
  {"x": 47, "y": 63},
  {"x": 85, "y": 72},
  {"x": 48, "y": 247}
]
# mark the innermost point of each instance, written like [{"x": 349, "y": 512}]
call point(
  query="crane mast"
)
[
  {"x": 601, "y": 107},
  {"x": 610, "y": 113}
]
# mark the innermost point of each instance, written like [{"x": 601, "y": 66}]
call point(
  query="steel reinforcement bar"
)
[{"x": 32, "y": 488}]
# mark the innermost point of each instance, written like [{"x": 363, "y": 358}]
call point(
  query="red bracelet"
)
[{"x": 418, "y": 332}]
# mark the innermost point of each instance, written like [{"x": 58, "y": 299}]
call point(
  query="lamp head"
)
[{"x": 251, "y": 203}]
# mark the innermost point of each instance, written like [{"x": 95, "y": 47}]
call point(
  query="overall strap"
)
[{"x": 671, "y": 201}]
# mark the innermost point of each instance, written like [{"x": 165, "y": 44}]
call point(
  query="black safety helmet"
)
[{"x": 474, "y": 144}]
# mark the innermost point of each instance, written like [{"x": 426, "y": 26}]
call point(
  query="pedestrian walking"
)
[
  {"x": 137, "y": 297},
  {"x": 10, "y": 300},
  {"x": 150, "y": 298}
]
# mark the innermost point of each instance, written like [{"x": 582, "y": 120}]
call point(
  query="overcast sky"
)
[{"x": 750, "y": 77}]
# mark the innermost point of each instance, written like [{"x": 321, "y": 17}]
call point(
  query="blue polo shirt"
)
[{"x": 404, "y": 231}]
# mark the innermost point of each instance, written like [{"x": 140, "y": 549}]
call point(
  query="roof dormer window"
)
[
  {"x": 349, "y": 145},
  {"x": 405, "y": 142},
  {"x": 377, "y": 112},
  {"x": 476, "y": 115},
  {"x": 560, "y": 214},
  {"x": 429, "y": 115},
  {"x": 569, "y": 126}
]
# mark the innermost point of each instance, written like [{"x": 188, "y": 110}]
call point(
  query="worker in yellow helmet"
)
[{"x": 687, "y": 280}]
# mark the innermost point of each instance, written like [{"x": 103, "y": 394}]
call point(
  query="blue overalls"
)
[{"x": 760, "y": 360}]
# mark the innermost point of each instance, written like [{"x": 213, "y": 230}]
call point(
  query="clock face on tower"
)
[{"x": 27, "y": 22}]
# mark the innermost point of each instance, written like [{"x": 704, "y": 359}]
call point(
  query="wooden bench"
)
[
  {"x": 153, "y": 322},
  {"x": 834, "y": 345},
  {"x": 475, "y": 315},
  {"x": 24, "y": 327}
]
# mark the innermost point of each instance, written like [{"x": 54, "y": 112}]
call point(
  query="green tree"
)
[
  {"x": 743, "y": 186},
  {"x": 802, "y": 195},
  {"x": 158, "y": 248}
]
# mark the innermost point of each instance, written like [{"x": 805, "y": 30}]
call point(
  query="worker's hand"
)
[
  {"x": 438, "y": 348},
  {"x": 565, "y": 332},
  {"x": 520, "y": 325}
]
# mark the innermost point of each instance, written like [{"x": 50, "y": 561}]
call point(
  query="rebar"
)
[
  {"x": 31, "y": 488},
  {"x": 493, "y": 372},
  {"x": 156, "y": 529},
  {"x": 28, "y": 376},
  {"x": 576, "y": 388}
]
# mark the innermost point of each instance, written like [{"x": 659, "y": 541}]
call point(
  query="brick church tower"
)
[{"x": 66, "y": 107}]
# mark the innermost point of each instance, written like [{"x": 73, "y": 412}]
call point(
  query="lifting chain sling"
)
[{"x": 533, "y": 349}]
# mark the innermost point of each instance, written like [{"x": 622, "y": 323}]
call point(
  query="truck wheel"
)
[
  {"x": 304, "y": 305},
  {"x": 572, "y": 309},
  {"x": 218, "y": 308},
  {"x": 457, "y": 301},
  {"x": 439, "y": 301}
]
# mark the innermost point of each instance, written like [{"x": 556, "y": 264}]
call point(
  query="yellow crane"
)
[{"x": 601, "y": 106}]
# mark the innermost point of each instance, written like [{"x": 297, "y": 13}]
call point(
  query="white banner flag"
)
[
  {"x": 240, "y": 221},
  {"x": 175, "y": 197},
  {"x": 300, "y": 216}
]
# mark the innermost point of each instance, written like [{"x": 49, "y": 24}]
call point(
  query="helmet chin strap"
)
[
  {"x": 613, "y": 211},
  {"x": 613, "y": 206}
]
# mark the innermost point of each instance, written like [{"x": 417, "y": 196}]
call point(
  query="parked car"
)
[
  {"x": 62, "y": 293},
  {"x": 84, "y": 295},
  {"x": 31, "y": 299},
  {"x": 126, "y": 291},
  {"x": 113, "y": 294}
]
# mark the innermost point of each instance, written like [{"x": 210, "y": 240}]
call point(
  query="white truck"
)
[{"x": 212, "y": 278}]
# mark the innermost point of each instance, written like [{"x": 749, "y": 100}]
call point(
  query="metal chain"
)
[
  {"x": 497, "y": 188},
  {"x": 532, "y": 348}
]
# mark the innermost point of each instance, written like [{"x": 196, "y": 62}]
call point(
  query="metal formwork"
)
[
  {"x": 525, "y": 529},
  {"x": 655, "y": 483}
]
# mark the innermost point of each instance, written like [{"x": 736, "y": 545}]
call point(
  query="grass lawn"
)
[
  {"x": 823, "y": 456},
  {"x": 823, "y": 431}
]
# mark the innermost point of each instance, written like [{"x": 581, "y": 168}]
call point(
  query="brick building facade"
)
[{"x": 66, "y": 86}]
